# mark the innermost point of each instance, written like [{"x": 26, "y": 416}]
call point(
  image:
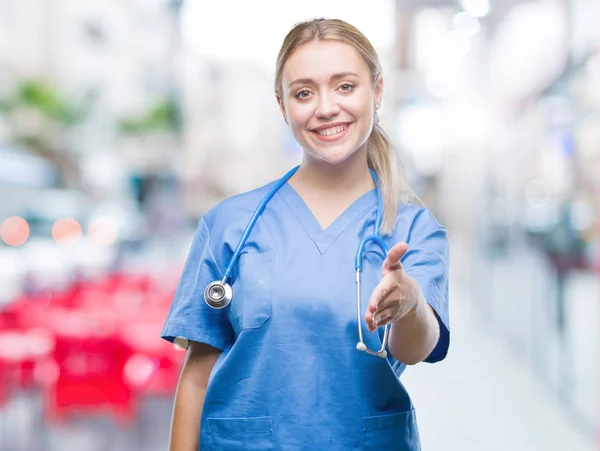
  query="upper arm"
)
[
  {"x": 199, "y": 362},
  {"x": 189, "y": 316}
]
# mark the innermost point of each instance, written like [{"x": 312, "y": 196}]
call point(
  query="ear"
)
[
  {"x": 281, "y": 106},
  {"x": 378, "y": 90}
]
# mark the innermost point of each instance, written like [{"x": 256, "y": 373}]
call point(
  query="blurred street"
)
[{"x": 488, "y": 399}]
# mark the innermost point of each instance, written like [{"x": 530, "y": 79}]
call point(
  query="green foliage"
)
[
  {"x": 44, "y": 98},
  {"x": 163, "y": 116}
]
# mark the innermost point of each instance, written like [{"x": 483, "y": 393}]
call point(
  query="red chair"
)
[
  {"x": 155, "y": 366},
  {"x": 93, "y": 347},
  {"x": 90, "y": 362},
  {"x": 20, "y": 352}
]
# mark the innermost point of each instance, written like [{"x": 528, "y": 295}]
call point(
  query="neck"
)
[{"x": 350, "y": 177}]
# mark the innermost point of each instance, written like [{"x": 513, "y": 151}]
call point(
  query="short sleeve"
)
[
  {"x": 189, "y": 316},
  {"x": 426, "y": 261}
]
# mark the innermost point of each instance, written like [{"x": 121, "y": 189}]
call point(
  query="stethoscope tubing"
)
[{"x": 219, "y": 294}]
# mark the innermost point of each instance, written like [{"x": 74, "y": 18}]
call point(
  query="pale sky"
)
[{"x": 254, "y": 30}]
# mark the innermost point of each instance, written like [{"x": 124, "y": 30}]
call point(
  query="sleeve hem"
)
[
  {"x": 172, "y": 331},
  {"x": 440, "y": 351}
]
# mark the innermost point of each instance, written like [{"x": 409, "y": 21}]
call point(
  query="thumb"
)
[{"x": 392, "y": 261}]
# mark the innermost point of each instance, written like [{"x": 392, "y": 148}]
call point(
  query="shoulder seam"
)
[{"x": 208, "y": 246}]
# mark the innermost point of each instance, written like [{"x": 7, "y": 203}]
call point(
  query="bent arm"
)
[
  {"x": 413, "y": 337},
  {"x": 189, "y": 397}
]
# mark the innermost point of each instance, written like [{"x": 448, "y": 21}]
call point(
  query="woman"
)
[{"x": 279, "y": 368}]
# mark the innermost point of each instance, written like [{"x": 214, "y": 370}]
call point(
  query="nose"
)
[{"x": 327, "y": 107}]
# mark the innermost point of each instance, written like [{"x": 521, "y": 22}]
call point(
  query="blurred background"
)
[{"x": 123, "y": 121}]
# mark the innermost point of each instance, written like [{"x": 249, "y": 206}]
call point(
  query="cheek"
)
[
  {"x": 300, "y": 114},
  {"x": 360, "y": 107},
  {"x": 365, "y": 117}
]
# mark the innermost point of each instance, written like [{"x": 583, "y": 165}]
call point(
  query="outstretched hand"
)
[{"x": 396, "y": 294}]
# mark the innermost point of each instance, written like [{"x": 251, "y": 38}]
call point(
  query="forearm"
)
[
  {"x": 187, "y": 412},
  {"x": 414, "y": 336}
]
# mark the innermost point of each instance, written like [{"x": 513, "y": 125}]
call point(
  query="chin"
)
[
  {"x": 333, "y": 158},
  {"x": 336, "y": 158},
  {"x": 332, "y": 154}
]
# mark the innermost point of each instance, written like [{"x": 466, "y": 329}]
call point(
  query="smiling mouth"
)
[{"x": 332, "y": 131}]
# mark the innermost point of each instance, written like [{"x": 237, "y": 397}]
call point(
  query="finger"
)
[
  {"x": 385, "y": 316},
  {"x": 371, "y": 326},
  {"x": 390, "y": 302},
  {"x": 369, "y": 316},
  {"x": 387, "y": 284},
  {"x": 392, "y": 261},
  {"x": 369, "y": 320},
  {"x": 383, "y": 290},
  {"x": 383, "y": 321},
  {"x": 381, "y": 318}
]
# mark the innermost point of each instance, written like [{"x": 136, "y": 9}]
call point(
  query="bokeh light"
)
[
  {"x": 66, "y": 230},
  {"x": 14, "y": 231}
]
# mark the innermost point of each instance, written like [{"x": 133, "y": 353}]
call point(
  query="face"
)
[{"x": 329, "y": 98}]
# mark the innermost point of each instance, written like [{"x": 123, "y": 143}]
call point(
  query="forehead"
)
[{"x": 319, "y": 60}]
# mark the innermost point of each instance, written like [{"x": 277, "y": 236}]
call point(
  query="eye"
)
[
  {"x": 346, "y": 87},
  {"x": 302, "y": 94}
]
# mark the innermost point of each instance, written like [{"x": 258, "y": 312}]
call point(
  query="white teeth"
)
[{"x": 333, "y": 130}]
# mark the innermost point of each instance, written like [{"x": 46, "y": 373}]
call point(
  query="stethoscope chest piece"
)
[{"x": 218, "y": 294}]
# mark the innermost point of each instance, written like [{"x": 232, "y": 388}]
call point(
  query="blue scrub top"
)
[{"x": 290, "y": 376}]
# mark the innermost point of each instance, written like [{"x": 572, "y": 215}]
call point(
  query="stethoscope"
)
[{"x": 218, "y": 294}]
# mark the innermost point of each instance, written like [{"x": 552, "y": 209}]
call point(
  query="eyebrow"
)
[{"x": 333, "y": 77}]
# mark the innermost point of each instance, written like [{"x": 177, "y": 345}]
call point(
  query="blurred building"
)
[
  {"x": 117, "y": 61},
  {"x": 498, "y": 119},
  {"x": 234, "y": 133}
]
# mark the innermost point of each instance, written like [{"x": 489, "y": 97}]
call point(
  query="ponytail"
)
[{"x": 382, "y": 159}]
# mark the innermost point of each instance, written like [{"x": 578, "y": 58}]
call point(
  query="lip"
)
[
  {"x": 332, "y": 124},
  {"x": 334, "y": 137}
]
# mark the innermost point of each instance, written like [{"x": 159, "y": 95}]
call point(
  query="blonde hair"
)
[{"x": 381, "y": 155}]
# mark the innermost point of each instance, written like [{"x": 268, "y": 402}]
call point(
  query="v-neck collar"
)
[{"x": 324, "y": 238}]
